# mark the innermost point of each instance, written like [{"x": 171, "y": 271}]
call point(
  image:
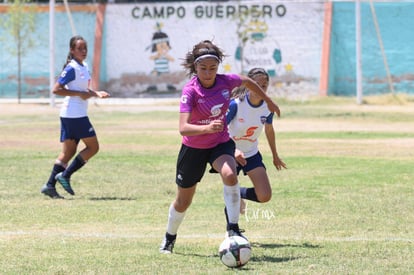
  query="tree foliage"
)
[{"x": 19, "y": 24}]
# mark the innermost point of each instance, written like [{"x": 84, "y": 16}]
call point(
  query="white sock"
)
[
  {"x": 174, "y": 220},
  {"x": 232, "y": 201}
]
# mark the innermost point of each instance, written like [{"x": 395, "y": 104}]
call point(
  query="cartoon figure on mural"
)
[
  {"x": 257, "y": 49},
  {"x": 160, "y": 45}
]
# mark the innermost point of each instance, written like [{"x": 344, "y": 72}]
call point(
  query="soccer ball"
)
[{"x": 235, "y": 251}]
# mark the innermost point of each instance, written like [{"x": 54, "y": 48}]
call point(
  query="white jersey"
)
[
  {"x": 246, "y": 123},
  {"x": 75, "y": 77}
]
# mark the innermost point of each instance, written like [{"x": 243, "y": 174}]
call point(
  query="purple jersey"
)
[{"x": 206, "y": 105}]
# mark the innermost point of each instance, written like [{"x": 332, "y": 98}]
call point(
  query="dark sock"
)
[
  {"x": 227, "y": 216},
  {"x": 170, "y": 237},
  {"x": 57, "y": 168},
  {"x": 76, "y": 164},
  {"x": 248, "y": 194},
  {"x": 233, "y": 226}
]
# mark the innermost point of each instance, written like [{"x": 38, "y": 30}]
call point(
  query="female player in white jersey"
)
[
  {"x": 205, "y": 138},
  {"x": 73, "y": 83},
  {"x": 246, "y": 118}
]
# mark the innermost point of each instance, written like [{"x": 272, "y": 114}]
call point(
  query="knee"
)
[
  {"x": 264, "y": 197},
  {"x": 229, "y": 177},
  {"x": 93, "y": 149},
  {"x": 181, "y": 205}
]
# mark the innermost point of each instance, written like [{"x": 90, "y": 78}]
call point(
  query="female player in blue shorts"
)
[
  {"x": 205, "y": 138},
  {"x": 246, "y": 118},
  {"x": 73, "y": 83}
]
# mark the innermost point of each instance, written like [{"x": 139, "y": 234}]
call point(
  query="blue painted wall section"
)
[
  {"x": 35, "y": 63},
  {"x": 397, "y": 33}
]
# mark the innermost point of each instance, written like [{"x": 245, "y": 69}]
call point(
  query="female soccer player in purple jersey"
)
[
  {"x": 205, "y": 139},
  {"x": 246, "y": 118},
  {"x": 75, "y": 125}
]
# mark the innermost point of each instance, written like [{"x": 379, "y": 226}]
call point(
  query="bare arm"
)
[
  {"x": 255, "y": 88},
  {"x": 271, "y": 139},
  {"x": 59, "y": 89},
  {"x": 188, "y": 129}
]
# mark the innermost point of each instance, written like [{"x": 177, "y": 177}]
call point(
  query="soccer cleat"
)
[
  {"x": 65, "y": 182},
  {"x": 51, "y": 192},
  {"x": 234, "y": 230},
  {"x": 167, "y": 244}
]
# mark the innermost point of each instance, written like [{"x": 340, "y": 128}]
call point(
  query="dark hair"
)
[
  {"x": 200, "y": 49},
  {"x": 241, "y": 92},
  {"x": 159, "y": 36},
  {"x": 72, "y": 44}
]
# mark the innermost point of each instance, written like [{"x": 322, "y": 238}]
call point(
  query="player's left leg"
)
[{"x": 262, "y": 191}]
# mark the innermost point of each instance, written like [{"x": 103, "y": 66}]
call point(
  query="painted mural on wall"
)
[
  {"x": 144, "y": 44},
  {"x": 251, "y": 34}
]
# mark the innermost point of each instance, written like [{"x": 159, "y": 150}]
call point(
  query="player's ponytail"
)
[
  {"x": 72, "y": 44},
  {"x": 68, "y": 59}
]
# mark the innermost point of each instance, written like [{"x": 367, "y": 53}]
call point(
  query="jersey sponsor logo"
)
[
  {"x": 249, "y": 133},
  {"x": 216, "y": 110}
]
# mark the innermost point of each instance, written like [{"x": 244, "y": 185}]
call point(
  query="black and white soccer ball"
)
[{"x": 235, "y": 251}]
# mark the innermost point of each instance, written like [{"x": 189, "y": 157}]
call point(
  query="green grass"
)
[{"x": 344, "y": 206}]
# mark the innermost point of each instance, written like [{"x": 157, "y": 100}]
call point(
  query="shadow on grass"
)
[
  {"x": 112, "y": 199},
  {"x": 264, "y": 258},
  {"x": 273, "y": 259}
]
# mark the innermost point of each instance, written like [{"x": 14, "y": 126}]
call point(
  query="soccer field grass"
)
[{"x": 344, "y": 206}]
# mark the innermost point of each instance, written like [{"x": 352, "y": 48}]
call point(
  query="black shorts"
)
[{"x": 192, "y": 162}]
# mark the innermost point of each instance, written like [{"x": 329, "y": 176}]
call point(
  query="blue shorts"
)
[
  {"x": 252, "y": 162},
  {"x": 75, "y": 128},
  {"x": 192, "y": 162}
]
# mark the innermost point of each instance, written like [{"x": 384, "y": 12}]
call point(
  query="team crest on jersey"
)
[
  {"x": 263, "y": 119},
  {"x": 215, "y": 110},
  {"x": 226, "y": 94}
]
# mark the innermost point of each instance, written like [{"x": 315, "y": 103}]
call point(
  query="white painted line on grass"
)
[{"x": 65, "y": 234}]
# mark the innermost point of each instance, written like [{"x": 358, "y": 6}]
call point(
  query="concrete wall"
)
[{"x": 285, "y": 37}]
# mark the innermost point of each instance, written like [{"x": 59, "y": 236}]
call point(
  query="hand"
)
[
  {"x": 239, "y": 156},
  {"x": 278, "y": 163},
  {"x": 216, "y": 126},
  {"x": 273, "y": 107},
  {"x": 102, "y": 94}
]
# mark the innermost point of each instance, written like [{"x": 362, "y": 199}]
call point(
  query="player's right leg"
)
[
  {"x": 191, "y": 165},
  {"x": 49, "y": 189},
  {"x": 176, "y": 215}
]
